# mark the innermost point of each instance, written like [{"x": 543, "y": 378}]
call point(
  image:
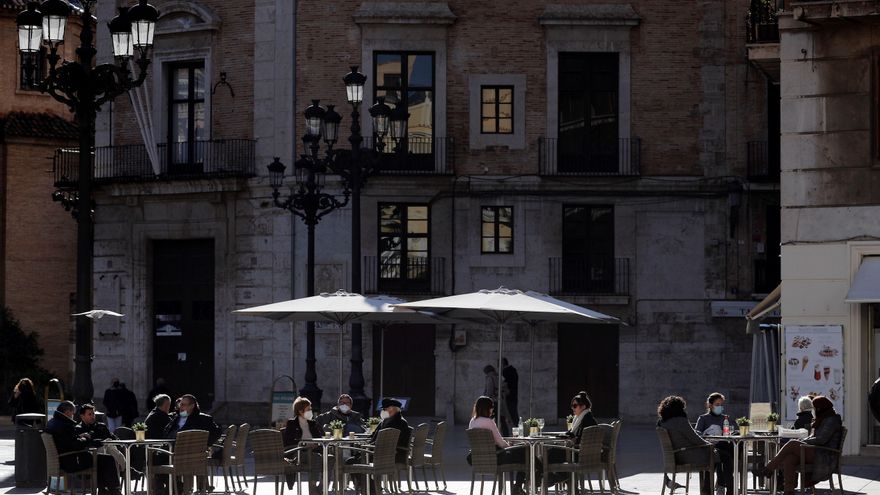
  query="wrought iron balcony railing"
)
[
  {"x": 563, "y": 156},
  {"x": 131, "y": 163},
  {"x": 578, "y": 276},
  {"x": 761, "y": 21},
  {"x": 762, "y": 162},
  {"x": 411, "y": 275},
  {"x": 416, "y": 156}
]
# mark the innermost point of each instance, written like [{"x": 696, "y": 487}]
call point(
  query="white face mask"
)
[
  {"x": 308, "y": 415},
  {"x": 343, "y": 408},
  {"x": 384, "y": 414}
]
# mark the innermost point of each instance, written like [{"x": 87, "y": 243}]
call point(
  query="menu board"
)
[{"x": 813, "y": 365}]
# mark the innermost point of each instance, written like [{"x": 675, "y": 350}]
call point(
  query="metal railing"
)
[
  {"x": 580, "y": 276},
  {"x": 131, "y": 163},
  {"x": 412, "y": 275},
  {"x": 416, "y": 156},
  {"x": 762, "y": 165},
  {"x": 561, "y": 156},
  {"x": 761, "y": 21}
]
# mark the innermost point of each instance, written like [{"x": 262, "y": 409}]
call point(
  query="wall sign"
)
[{"x": 813, "y": 360}]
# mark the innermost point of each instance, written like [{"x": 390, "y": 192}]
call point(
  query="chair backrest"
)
[
  {"x": 124, "y": 433},
  {"x": 227, "y": 443},
  {"x": 615, "y": 436},
  {"x": 241, "y": 442},
  {"x": 419, "y": 442},
  {"x": 190, "y": 447},
  {"x": 439, "y": 441},
  {"x": 386, "y": 450},
  {"x": 843, "y": 431},
  {"x": 483, "y": 457},
  {"x": 590, "y": 449},
  {"x": 268, "y": 449},
  {"x": 666, "y": 445},
  {"x": 52, "y": 466}
]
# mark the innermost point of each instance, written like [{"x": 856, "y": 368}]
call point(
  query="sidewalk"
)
[{"x": 639, "y": 465}]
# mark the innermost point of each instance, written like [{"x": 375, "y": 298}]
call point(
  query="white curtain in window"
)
[{"x": 140, "y": 102}]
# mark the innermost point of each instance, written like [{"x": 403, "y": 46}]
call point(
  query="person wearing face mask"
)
[
  {"x": 343, "y": 412},
  {"x": 304, "y": 427},
  {"x": 62, "y": 427},
  {"x": 391, "y": 418},
  {"x": 190, "y": 417},
  {"x": 712, "y": 423}
]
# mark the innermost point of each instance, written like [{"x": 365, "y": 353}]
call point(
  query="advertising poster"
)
[
  {"x": 813, "y": 365},
  {"x": 282, "y": 407}
]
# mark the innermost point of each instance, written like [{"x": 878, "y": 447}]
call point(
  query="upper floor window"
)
[
  {"x": 497, "y": 230},
  {"x": 187, "y": 126},
  {"x": 588, "y": 248},
  {"x": 496, "y": 109},
  {"x": 404, "y": 241},
  {"x": 33, "y": 69},
  {"x": 407, "y": 78}
]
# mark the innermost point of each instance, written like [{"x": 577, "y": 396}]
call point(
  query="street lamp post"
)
[{"x": 84, "y": 88}]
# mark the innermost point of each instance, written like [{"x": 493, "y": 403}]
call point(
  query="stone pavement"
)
[{"x": 639, "y": 466}]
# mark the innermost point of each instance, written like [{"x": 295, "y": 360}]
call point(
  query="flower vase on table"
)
[
  {"x": 140, "y": 431},
  {"x": 744, "y": 425},
  {"x": 772, "y": 421},
  {"x": 532, "y": 425},
  {"x": 337, "y": 434},
  {"x": 336, "y": 426},
  {"x": 373, "y": 423}
]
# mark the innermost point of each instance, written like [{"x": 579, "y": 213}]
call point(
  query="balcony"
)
[
  {"x": 762, "y": 36},
  {"x": 409, "y": 276},
  {"x": 576, "y": 276},
  {"x": 183, "y": 161},
  {"x": 416, "y": 156},
  {"x": 566, "y": 157},
  {"x": 762, "y": 162}
]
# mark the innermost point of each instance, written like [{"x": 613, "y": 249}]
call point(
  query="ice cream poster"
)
[{"x": 813, "y": 365}]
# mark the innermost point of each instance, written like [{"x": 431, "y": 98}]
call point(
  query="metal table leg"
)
[
  {"x": 325, "y": 452},
  {"x": 532, "y": 468}
]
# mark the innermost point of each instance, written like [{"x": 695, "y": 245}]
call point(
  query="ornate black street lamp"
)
[
  {"x": 354, "y": 166},
  {"x": 84, "y": 88}
]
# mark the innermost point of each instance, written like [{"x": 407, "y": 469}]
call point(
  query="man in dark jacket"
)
[
  {"x": 391, "y": 418},
  {"x": 511, "y": 377},
  {"x": 113, "y": 405},
  {"x": 88, "y": 423},
  {"x": 129, "y": 408},
  {"x": 343, "y": 412},
  {"x": 159, "y": 417},
  {"x": 189, "y": 417},
  {"x": 62, "y": 427}
]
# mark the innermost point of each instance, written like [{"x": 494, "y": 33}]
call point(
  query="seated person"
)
[
  {"x": 158, "y": 419},
  {"x": 712, "y": 423},
  {"x": 391, "y": 418},
  {"x": 343, "y": 412},
  {"x": 88, "y": 423},
  {"x": 673, "y": 417},
  {"x": 481, "y": 417},
  {"x": 805, "y": 414},
  {"x": 303, "y": 427},
  {"x": 826, "y": 433},
  {"x": 189, "y": 417},
  {"x": 582, "y": 409},
  {"x": 62, "y": 427}
]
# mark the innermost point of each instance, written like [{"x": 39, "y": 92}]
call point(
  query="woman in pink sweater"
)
[{"x": 482, "y": 418}]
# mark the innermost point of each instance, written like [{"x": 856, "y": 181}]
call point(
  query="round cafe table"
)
[
  {"x": 533, "y": 443},
  {"x": 325, "y": 443},
  {"x": 740, "y": 456},
  {"x": 127, "y": 445}
]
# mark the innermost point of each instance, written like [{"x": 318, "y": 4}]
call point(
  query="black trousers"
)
[{"x": 108, "y": 472}]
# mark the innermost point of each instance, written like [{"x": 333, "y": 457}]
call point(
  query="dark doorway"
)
[
  {"x": 588, "y": 249},
  {"x": 588, "y": 360},
  {"x": 773, "y": 130},
  {"x": 183, "y": 317},
  {"x": 409, "y": 365}
]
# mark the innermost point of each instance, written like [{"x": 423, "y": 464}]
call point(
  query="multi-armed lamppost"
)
[
  {"x": 354, "y": 166},
  {"x": 84, "y": 87}
]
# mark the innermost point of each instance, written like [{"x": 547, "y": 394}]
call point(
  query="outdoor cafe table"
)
[
  {"x": 325, "y": 443},
  {"x": 740, "y": 456},
  {"x": 533, "y": 443},
  {"x": 127, "y": 444}
]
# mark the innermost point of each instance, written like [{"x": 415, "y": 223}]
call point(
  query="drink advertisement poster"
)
[{"x": 813, "y": 365}]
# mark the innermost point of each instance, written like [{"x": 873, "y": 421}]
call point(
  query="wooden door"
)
[
  {"x": 588, "y": 360},
  {"x": 409, "y": 366}
]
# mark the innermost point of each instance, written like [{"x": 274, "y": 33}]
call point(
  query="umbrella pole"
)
[
  {"x": 500, "y": 398},
  {"x": 341, "y": 333},
  {"x": 381, "y": 364},
  {"x": 531, "y": 364}
]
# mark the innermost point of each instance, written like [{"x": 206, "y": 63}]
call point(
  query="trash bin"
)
[{"x": 30, "y": 455}]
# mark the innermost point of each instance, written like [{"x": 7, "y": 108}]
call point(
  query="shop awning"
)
[
  {"x": 865, "y": 286},
  {"x": 767, "y": 305}
]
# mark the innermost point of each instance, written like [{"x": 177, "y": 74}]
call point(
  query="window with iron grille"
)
[
  {"x": 496, "y": 230},
  {"x": 187, "y": 126},
  {"x": 404, "y": 241},
  {"x": 496, "y": 109},
  {"x": 407, "y": 78}
]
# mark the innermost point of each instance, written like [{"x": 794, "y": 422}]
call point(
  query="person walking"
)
[
  {"x": 129, "y": 410},
  {"x": 113, "y": 405},
  {"x": 511, "y": 377}
]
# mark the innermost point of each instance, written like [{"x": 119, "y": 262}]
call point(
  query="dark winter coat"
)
[
  {"x": 352, "y": 420},
  {"x": 63, "y": 431},
  {"x": 97, "y": 431},
  {"x": 25, "y": 403},
  {"x": 586, "y": 421},
  {"x": 398, "y": 423},
  {"x": 804, "y": 420},
  {"x": 827, "y": 434},
  {"x": 293, "y": 433},
  {"x": 682, "y": 434},
  {"x": 195, "y": 421},
  {"x": 156, "y": 423}
]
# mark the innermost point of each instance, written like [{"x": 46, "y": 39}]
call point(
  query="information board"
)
[
  {"x": 282, "y": 406},
  {"x": 813, "y": 360}
]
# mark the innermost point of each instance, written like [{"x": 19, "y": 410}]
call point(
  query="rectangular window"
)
[
  {"x": 496, "y": 109},
  {"x": 187, "y": 129},
  {"x": 404, "y": 242},
  {"x": 588, "y": 249},
  {"x": 496, "y": 229},
  {"x": 34, "y": 68},
  {"x": 588, "y": 112}
]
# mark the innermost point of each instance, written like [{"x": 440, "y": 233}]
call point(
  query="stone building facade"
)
[{"x": 596, "y": 151}]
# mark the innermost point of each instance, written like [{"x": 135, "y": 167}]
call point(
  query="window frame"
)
[
  {"x": 496, "y": 223},
  {"x": 497, "y": 88},
  {"x": 404, "y": 81},
  {"x": 587, "y": 254},
  {"x": 42, "y": 68},
  {"x": 191, "y": 101},
  {"x": 402, "y": 281}
]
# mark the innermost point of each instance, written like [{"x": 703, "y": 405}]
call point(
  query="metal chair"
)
[
  {"x": 269, "y": 458},
  {"x": 484, "y": 460},
  {"x": 416, "y": 457},
  {"x": 53, "y": 468},
  {"x": 670, "y": 465},
  {"x": 609, "y": 454},
  {"x": 187, "y": 461},
  {"x": 435, "y": 458},
  {"x": 383, "y": 455},
  {"x": 227, "y": 457},
  {"x": 241, "y": 454},
  {"x": 838, "y": 452},
  {"x": 138, "y": 459},
  {"x": 582, "y": 460}
]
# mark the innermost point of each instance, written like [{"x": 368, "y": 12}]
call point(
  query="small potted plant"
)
[
  {"x": 569, "y": 420},
  {"x": 140, "y": 431},
  {"x": 772, "y": 421},
  {"x": 337, "y": 426},
  {"x": 373, "y": 423},
  {"x": 744, "y": 423},
  {"x": 532, "y": 425}
]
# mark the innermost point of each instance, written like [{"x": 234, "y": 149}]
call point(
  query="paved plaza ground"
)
[{"x": 639, "y": 464}]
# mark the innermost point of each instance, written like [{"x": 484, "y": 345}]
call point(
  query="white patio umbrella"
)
[
  {"x": 503, "y": 306},
  {"x": 341, "y": 308}
]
